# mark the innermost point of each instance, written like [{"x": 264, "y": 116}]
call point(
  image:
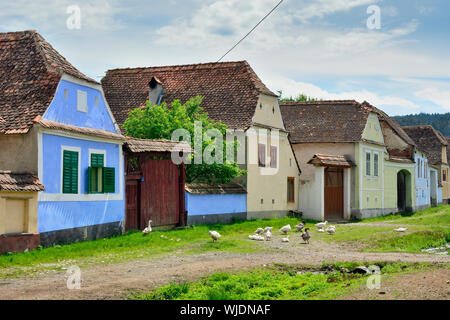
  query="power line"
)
[{"x": 251, "y": 30}]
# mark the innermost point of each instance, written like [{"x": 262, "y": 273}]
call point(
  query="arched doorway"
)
[{"x": 404, "y": 191}]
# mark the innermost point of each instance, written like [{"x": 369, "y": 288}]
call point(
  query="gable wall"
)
[
  {"x": 19, "y": 152},
  {"x": 373, "y": 131},
  {"x": 64, "y": 110}
]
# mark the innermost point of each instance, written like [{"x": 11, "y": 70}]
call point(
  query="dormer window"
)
[
  {"x": 66, "y": 94},
  {"x": 156, "y": 91}
]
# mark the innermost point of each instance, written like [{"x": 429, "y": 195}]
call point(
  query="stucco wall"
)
[
  {"x": 390, "y": 189},
  {"x": 422, "y": 181},
  {"x": 26, "y": 211},
  {"x": 19, "y": 152},
  {"x": 63, "y": 109},
  {"x": 207, "y": 204}
]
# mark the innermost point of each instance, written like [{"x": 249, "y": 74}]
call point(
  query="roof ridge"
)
[
  {"x": 319, "y": 102},
  {"x": 192, "y": 66}
]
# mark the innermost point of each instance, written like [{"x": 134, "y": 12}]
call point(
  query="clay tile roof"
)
[
  {"x": 30, "y": 70},
  {"x": 147, "y": 145},
  {"x": 428, "y": 139},
  {"x": 324, "y": 121},
  {"x": 15, "y": 181},
  {"x": 392, "y": 123},
  {"x": 230, "y": 188},
  {"x": 87, "y": 131},
  {"x": 230, "y": 90},
  {"x": 324, "y": 160}
]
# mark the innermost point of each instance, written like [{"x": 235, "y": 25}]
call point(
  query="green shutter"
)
[
  {"x": 90, "y": 184},
  {"x": 109, "y": 180},
  {"x": 97, "y": 160},
  {"x": 70, "y": 172}
]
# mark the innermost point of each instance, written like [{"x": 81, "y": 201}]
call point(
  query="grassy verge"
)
[{"x": 278, "y": 282}]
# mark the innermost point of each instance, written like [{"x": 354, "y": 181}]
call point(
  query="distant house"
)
[
  {"x": 435, "y": 145},
  {"x": 233, "y": 94},
  {"x": 56, "y": 125},
  {"x": 18, "y": 211},
  {"x": 356, "y": 162}
]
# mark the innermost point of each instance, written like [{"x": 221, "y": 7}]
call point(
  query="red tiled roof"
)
[
  {"x": 30, "y": 70},
  {"x": 15, "y": 181},
  {"x": 324, "y": 160},
  {"x": 428, "y": 139},
  {"x": 324, "y": 121},
  {"x": 87, "y": 131},
  {"x": 230, "y": 90},
  {"x": 148, "y": 145}
]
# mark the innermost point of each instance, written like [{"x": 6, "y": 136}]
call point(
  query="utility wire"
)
[{"x": 251, "y": 30}]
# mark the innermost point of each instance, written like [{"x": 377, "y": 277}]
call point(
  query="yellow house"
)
[
  {"x": 356, "y": 162},
  {"x": 18, "y": 211},
  {"x": 234, "y": 95}
]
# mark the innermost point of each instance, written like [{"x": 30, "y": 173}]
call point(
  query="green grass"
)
[
  {"x": 135, "y": 245},
  {"x": 278, "y": 282}
]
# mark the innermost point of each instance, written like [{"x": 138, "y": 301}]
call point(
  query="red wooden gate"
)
[
  {"x": 334, "y": 193},
  {"x": 160, "y": 198},
  {"x": 132, "y": 205}
]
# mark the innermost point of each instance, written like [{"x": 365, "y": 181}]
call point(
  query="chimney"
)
[{"x": 156, "y": 91}]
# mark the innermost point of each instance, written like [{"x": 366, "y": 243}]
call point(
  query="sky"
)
[{"x": 322, "y": 48}]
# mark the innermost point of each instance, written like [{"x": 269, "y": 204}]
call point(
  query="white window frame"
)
[
  {"x": 73, "y": 149},
  {"x": 378, "y": 164},
  {"x": 370, "y": 164}
]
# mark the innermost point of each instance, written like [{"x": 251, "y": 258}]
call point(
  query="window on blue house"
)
[
  {"x": 100, "y": 178},
  {"x": 70, "y": 172}
]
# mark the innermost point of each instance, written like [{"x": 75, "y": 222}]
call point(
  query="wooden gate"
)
[
  {"x": 160, "y": 194},
  {"x": 334, "y": 193},
  {"x": 132, "y": 219}
]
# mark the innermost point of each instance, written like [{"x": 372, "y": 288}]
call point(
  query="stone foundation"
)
[{"x": 19, "y": 242}]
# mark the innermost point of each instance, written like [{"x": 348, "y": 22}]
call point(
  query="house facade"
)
[
  {"x": 59, "y": 118},
  {"x": 232, "y": 94},
  {"x": 354, "y": 157},
  {"x": 435, "y": 145}
]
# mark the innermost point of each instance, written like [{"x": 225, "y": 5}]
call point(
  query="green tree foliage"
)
[
  {"x": 440, "y": 122},
  {"x": 300, "y": 98},
  {"x": 160, "y": 121}
]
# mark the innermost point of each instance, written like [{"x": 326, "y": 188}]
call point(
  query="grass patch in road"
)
[
  {"x": 278, "y": 282},
  {"x": 437, "y": 216}
]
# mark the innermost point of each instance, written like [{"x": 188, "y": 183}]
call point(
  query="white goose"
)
[
  {"x": 259, "y": 231},
  {"x": 285, "y": 240},
  {"x": 256, "y": 237},
  {"x": 214, "y": 235},
  {"x": 321, "y": 225},
  {"x": 149, "y": 228},
  {"x": 268, "y": 235},
  {"x": 331, "y": 229},
  {"x": 268, "y": 229},
  {"x": 286, "y": 229}
]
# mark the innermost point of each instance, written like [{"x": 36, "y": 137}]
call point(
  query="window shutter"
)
[
  {"x": 97, "y": 160},
  {"x": 90, "y": 180},
  {"x": 109, "y": 180},
  {"x": 70, "y": 172}
]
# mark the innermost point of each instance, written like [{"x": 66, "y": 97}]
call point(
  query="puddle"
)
[{"x": 439, "y": 250}]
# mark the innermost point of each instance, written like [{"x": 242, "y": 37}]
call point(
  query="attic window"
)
[
  {"x": 66, "y": 94},
  {"x": 273, "y": 110},
  {"x": 260, "y": 106},
  {"x": 82, "y": 101},
  {"x": 96, "y": 101}
]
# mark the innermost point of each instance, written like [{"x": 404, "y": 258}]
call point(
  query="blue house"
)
[{"x": 56, "y": 123}]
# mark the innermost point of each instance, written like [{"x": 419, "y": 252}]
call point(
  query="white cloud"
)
[
  {"x": 293, "y": 88},
  {"x": 435, "y": 95}
]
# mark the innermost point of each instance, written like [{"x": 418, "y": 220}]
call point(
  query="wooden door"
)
[
  {"x": 132, "y": 219},
  {"x": 401, "y": 191},
  {"x": 160, "y": 194},
  {"x": 334, "y": 193}
]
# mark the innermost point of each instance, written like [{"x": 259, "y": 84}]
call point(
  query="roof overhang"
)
[{"x": 322, "y": 160}]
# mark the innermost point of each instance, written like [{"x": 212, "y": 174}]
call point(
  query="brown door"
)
[
  {"x": 160, "y": 199},
  {"x": 132, "y": 205},
  {"x": 334, "y": 193}
]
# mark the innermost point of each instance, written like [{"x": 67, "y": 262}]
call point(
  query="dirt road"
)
[{"x": 114, "y": 281}]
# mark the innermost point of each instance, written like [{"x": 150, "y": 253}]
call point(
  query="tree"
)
[
  {"x": 300, "y": 98},
  {"x": 160, "y": 121}
]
